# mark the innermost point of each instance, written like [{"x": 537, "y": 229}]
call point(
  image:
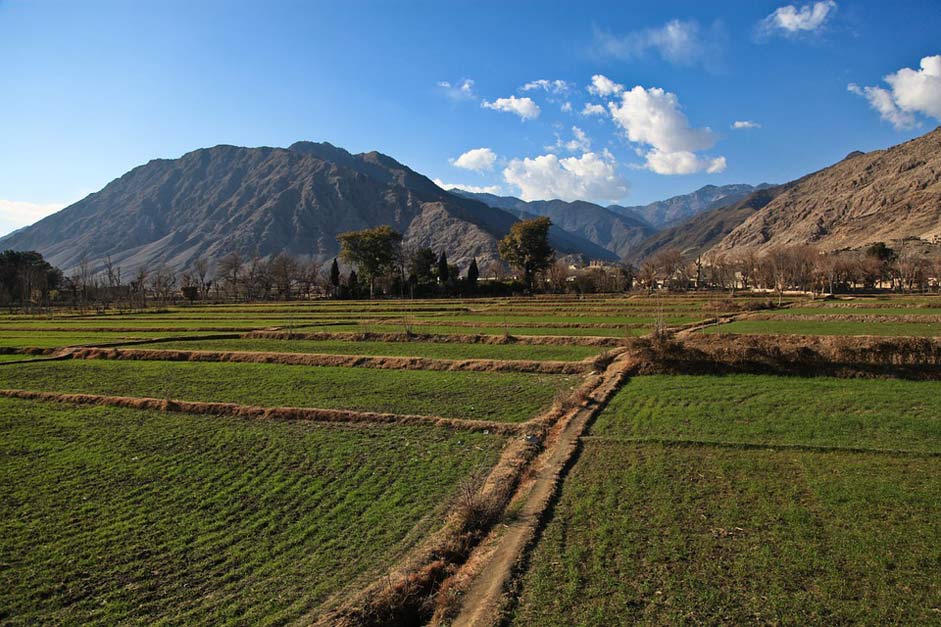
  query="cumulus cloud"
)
[
  {"x": 910, "y": 92},
  {"x": 593, "y": 109},
  {"x": 461, "y": 90},
  {"x": 553, "y": 87},
  {"x": 566, "y": 107},
  {"x": 653, "y": 117},
  {"x": 745, "y": 124},
  {"x": 474, "y": 189},
  {"x": 603, "y": 86},
  {"x": 592, "y": 176},
  {"x": 793, "y": 20},
  {"x": 477, "y": 159},
  {"x": 525, "y": 108},
  {"x": 18, "y": 213},
  {"x": 678, "y": 41}
]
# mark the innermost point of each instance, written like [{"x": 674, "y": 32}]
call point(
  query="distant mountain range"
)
[
  {"x": 673, "y": 211},
  {"x": 262, "y": 201}
]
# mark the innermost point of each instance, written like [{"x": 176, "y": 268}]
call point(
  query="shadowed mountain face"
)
[
  {"x": 263, "y": 201},
  {"x": 671, "y": 212},
  {"x": 705, "y": 230},
  {"x": 617, "y": 233},
  {"x": 883, "y": 195}
]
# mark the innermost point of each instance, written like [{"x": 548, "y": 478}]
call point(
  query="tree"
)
[
  {"x": 443, "y": 270},
  {"x": 527, "y": 248},
  {"x": 421, "y": 264},
  {"x": 230, "y": 269},
  {"x": 473, "y": 274},
  {"x": 335, "y": 276},
  {"x": 25, "y": 276},
  {"x": 374, "y": 251},
  {"x": 284, "y": 271}
]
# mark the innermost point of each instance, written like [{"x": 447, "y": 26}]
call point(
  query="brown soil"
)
[
  {"x": 546, "y": 340},
  {"x": 347, "y": 361},
  {"x": 268, "y": 413}
]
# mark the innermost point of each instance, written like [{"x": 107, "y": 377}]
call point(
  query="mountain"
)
[
  {"x": 617, "y": 233},
  {"x": 885, "y": 195},
  {"x": 673, "y": 211},
  {"x": 705, "y": 230},
  {"x": 263, "y": 201}
]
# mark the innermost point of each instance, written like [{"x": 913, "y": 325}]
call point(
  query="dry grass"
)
[
  {"x": 265, "y": 413},
  {"x": 346, "y": 361}
]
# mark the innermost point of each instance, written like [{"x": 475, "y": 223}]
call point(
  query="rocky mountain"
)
[
  {"x": 676, "y": 210},
  {"x": 617, "y": 233},
  {"x": 262, "y": 201},
  {"x": 705, "y": 230},
  {"x": 884, "y": 195}
]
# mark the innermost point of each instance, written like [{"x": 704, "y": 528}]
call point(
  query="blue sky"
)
[{"x": 91, "y": 89}]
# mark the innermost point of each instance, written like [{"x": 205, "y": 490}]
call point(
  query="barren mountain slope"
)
[
  {"x": 884, "y": 195},
  {"x": 263, "y": 201}
]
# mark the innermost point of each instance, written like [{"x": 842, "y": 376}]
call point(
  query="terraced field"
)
[
  {"x": 711, "y": 500},
  {"x": 697, "y": 499},
  {"x": 120, "y": 515}
]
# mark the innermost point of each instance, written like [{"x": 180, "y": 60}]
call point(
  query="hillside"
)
[
  {"x": 883, "y": 195},
  {"x": 262, "y": 201},
  {"x": 617, "y": 233},
  {"x": 706, "y": 229},
  {"x": 676, "y": 210}
]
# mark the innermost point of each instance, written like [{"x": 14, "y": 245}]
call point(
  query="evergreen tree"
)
[
  {"x": 443, "y": 273},
  {"x": 335, "y": 276},
  {"x": 473, "y": 274}
]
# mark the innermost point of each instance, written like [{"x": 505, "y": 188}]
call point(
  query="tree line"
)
[
  {"x": 913, "y": 267},
  {"x": 376, "y": 262}
]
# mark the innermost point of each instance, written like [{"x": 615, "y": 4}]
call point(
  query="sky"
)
[{"x": 614, "y": 102}]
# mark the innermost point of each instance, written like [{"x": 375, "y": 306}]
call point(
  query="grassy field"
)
[
  {"x": 444, "y": 350},
  {"x": 755, "y": 409},
  {"x": 115, "y": 516},
  {"x": 657, "y": 535},
  {"x": 503, "y": 396},
  {"x": 828, "y": 327},
  {"x": 475, "y": 330},
  {"x": 53, "y": 339},
  {"x": 684, "y": 530}
]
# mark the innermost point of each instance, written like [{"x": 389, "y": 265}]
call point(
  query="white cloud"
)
[
  {"x": 603, "y": 86},
  {"x": 567, "y": 107},
  {"x": 653, "y": 117},
  {"x": 677, "y": 41},
  {"x": 475, "y": 189},
  {"x": 523, "y": 107},
  {"x": 911, "y": 92},
  {"x": 682, "y": 162},
  {"x": 18, "y": 213},
  {"x": 592, "y": 176},
  {"x": 462, "y": 90},
  {"x": 793, "y": 20},
  {"x": 593, "y": 109},
  {"x": 478, "y": 160},
  {"x": 745, "y": 124},
  {"x": 579, "y": 142},
  {"x": 553, "y": 87},
  {"x": 882, "y": 101}
]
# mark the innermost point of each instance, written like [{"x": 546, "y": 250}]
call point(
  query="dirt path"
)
[{"x": 477, "y": 591}]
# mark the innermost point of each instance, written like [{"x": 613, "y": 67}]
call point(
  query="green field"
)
[
  {"x": 116, "y": 516},
  {"x": 706, "y": 500},
  {"x": 474, "y": 330},
  {"x": 434, "y": 350},
  {"x": 54, "y": 339},
  {"x": 828, "y": 327},
  {"x": 659, "y": 535},
  {"x": 502, "y": 396},
  {"x": 757, "y": 409}
]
